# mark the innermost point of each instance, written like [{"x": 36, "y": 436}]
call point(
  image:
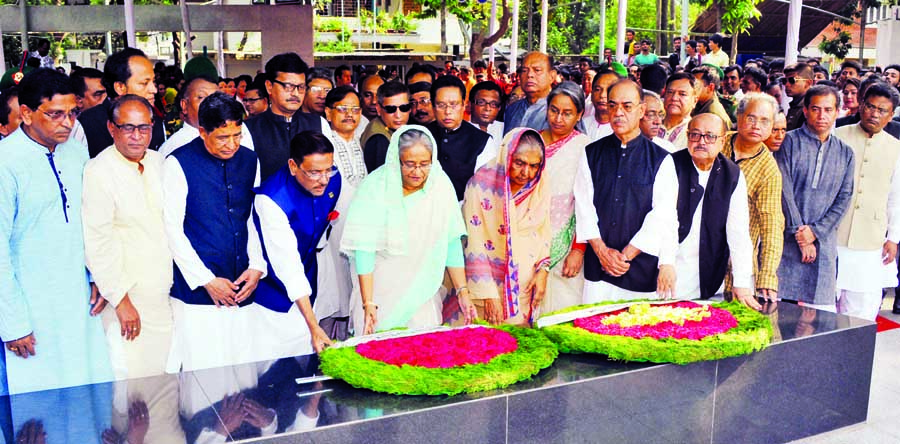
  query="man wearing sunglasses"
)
[
  {"x": 462, "y": 147},
  {"x": 713, "y": 216},
  {"x": 798, "y": 78},
  {"x": 125, "y": 242},
  {"x": 291, "y": 210},
  {"x": 51, "y": 340},
  {"x": 286, "y": 86},
  {"x": 393, "y": 112}
]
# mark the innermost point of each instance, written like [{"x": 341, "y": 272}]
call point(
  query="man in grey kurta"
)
[{"x": 817, "y": 169}]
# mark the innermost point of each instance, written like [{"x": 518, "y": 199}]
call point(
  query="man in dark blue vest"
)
[
  {"x": 625, "y": 192},
  {"x": 462, "y": 147},
  {"x": 208, "y": 197},
  {"x": 273, "y": 130},
  {"x": 713, "y": 216},
  {"x": 293, "y": 210}
]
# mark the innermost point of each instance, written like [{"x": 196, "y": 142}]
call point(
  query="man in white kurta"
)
[
  {"x": 626, "y": 187},
  {"x": 125, "y": 242},
  {"x": 50, "y": 339},
  {"x": 869, "y": 232},
  {"x": 195, "y": 91},
  {"x": 712, "y": 195}
]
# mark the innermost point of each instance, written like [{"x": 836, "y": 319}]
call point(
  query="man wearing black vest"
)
[
  {"x": 713, "y": 216},
  {"x": 625, "y": 193},
  {"x": 208, "y": 197},
  {"x": 128, "y": 71},
  {"x": 462, "y": 147},
  {"x": 273, "y": 130}
]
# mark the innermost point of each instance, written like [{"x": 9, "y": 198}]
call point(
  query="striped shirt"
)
[{"x": 766, "y": 218}]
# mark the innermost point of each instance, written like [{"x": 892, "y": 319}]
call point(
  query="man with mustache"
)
[
  {"x": 625, "y": 194},
  {"x": 865, "y": 254},
  {"x": 680, "y": 100},
  {"x": 422, "y": 111},
  {"x": 207, "y": 203},
  {"x": 291, "y": 209},
  {"x": 335, "y": 282},
  {"x": 817, "y": 171},
  {"x": 318, "y": 85},
  {"x": 713, "y": 218},
  {"x": 275, "y": 127}
]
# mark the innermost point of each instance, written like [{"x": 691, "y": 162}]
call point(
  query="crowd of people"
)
[{"x": 156, "y": 220}]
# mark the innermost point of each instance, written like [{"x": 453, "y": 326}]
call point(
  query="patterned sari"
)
[
  {"x": 562, "y": 162},
  {"x": 508, "y": 234}
]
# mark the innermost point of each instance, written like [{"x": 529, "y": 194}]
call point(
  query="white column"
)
[
  {"x": 2, "y": 57},
  {"x": 188, "y": 52},
  {"x": 620, "y": 31},
  {"x": 684, "y": 28},
  {"x": 602, "y": 43},
  {"x": 514, "y": 38},
  {"x": 23, "y": 16},
  {"x": 545, "y": 10},
  {"x": 492, "y": 28},
  {"x": 220, "y": 50},
  {"x": 129, "y": 23},
  {"x": 793, "y": 32}
]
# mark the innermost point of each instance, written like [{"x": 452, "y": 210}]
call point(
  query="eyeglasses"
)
[
  {"x": 793, "y": 80},
  {"x": 319, "y": 175},
  {"x": 763, "y": 122},
  {"x": 448, "y": 106},
  {"x": 876, "y": 110},
  {"x": 130, "y": 129},
  {"x": 391, "y": 109},
  {"x": 411, "y": 166},
  {"x": 290, "y": 87},
  {"x": 490, "y": 104},
  {"x": 59, "y": 116},
  {"x": 653, "y": 115},
  {"x": 423, "y": 102},
  {"x": 319, "y": 90},
  {"x": 343, "y": 109},
  {"x": 695, "y": 136}
]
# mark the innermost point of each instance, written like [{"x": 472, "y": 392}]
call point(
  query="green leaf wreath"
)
[
  {"x": 535, "y": 352},
  {"x": 752, "y": 333}
]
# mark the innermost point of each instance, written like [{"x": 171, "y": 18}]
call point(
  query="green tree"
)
[{"x": 738, "y": 18}]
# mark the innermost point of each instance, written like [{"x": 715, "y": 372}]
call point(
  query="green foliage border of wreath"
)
[
  {"x": 753, "y": 333},
  {"x": 534, "y": 353}
]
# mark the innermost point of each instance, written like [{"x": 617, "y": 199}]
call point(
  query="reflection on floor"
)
[{"x": 883, "y": 425}]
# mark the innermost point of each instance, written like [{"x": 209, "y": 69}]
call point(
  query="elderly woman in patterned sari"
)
[
  {"x": 403, "y": 230},
  {"x": 507, "y": 214},
  {"x": 564, "y": 146}
]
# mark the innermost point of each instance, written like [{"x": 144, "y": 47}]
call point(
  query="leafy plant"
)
[
  {"x": 839, "y": 46},
  {"x": 401, "y": 22},
  {"x": 341, "y": 45},
  {"x": 329, "y": 24}
]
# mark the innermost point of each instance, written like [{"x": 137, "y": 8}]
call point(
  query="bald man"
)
[{"x": 536, "y": 78}]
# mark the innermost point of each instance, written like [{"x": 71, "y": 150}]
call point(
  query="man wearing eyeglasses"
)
[
  {"x": 125, "y": 242},
  {"x": 713, "y": 217},
  {"x": 865, "y": 254},
  {"x": 462, "y": 148},
  {"x": 892, "y": 127},
  {"x": 207, "y": 200},
  {"x": 485, "y": 106},
  {"x": 756, "y": 115},
  {"x": 275, "y": 127},
  {"x": 817, "y": 171},
  {"x": 51, "y": 340},
  {"x": 292, "y": 211},
  {"x": 195, "y": 90},
  {"x": 798, "y": 78},
  {"x": 318, "y": 84},
  {"x": 128, "y": 71},
  {"x": 625, "y": 194},
  {"x": 422, "y": 110},
  {"x": 393, "y": 112}
]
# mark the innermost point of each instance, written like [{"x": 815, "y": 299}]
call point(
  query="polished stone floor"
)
[{"x": 883, "y": 424}]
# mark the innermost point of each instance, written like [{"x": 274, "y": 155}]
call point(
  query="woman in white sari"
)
[
  {"x": 403, "y": 230},
  {"x": 564, "y": 146}
]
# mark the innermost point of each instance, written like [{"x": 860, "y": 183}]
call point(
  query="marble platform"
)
[{"x": 815, "y": 377}]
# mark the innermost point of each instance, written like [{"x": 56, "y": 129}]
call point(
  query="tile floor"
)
[{"x": 883, "y": 424}]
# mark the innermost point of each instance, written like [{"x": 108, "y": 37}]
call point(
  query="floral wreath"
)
[
  {"x": 750, "y": 331},
  {"x": 510, "y": 354}
]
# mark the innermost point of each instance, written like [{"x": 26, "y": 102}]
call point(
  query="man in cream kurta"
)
[
  {"x": 870, "y": 229},
  {"x": 125, "y": 242}
]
